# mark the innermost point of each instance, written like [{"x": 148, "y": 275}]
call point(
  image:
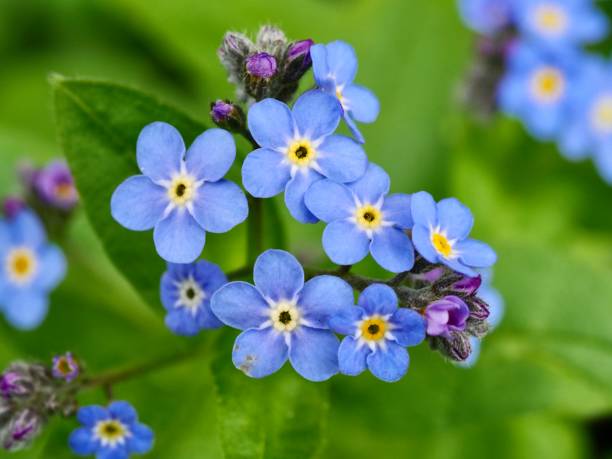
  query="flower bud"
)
[
  {"x": 21, "y": 429},
  {"x": 446, "y": 315},
  {"x": 459, "y": 347},
  {"x": 298, "y": 60},
  {"x": 228, "y": 116},
  {"x": 12, "y": 384},
  {"x": 261, "y": 65},
  {"x": 272, "y": 40},
  {"x": 479, "y": 309},
  {"x": 467, "y": 285},
  {"x": 12, "y": 206}
]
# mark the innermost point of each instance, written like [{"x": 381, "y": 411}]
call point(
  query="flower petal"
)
[
  {"x": 378, "y": 299},
  {"x": 138, "y": 204},
  {"x": 264, "y": 173},
  {"x": 458, "y": 266},
  {"x": 141, "y": 440},
  {"x": 341, "y": 159},
  {"x": 118, "y": 452},
  {"x": 424, "y": 209},
  {"x": 278, "y": 275},
  {"x": 159, "y": 151},
  {"x": 409, "y": 327},
  {"x": 211, "y": 155},
  {"x": 353, "y": 127},
  {"x": 219, "y": 206},
  {"x": 397, "y": 209},
  {"x": 314, "y": 353},
  {"x": 316, "y": 114},
  {"x": 27, "y": 229},
  {"x": 392, "y": 249},
  {"x": 123, "y": 411},
  {"x": 260, "y": 353},
  {"x": 422, "y": 242},
  {"x": 90, "y": 415},
  {"x": 329, "y": 200},
  {"x": 389, "y": 365},
  {"x": 323, "y": 297},
  {"x": 455, "y": 218},
  {"x": 341, "y": 62},
  {"x": 240, "y": 305},
  {"x": 476, "y": 254},
  {"x": 373, "y": 185},
  {"x": 345, "y": 320},
  {"x": 271, "y": 124},
  {"x": 352, "y": 356},
  {"x": 344, "y": 243},
  {"x": 361, "y": 102},
  {"x": 210, "y": 276},
  {"x": 294, "y": 195},
  {"x": 52, "y": 268},
  {"x": 179, "y": 238},
  {"x": 320, "y": 69},
  {"x": 26, "y": 309},
  {"x": 82, "y": 442}
]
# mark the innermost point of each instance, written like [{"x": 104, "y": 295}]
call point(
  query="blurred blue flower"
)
[
  {"x": 186, "y": 290},
  {"x": 30, "y": 268},
  {"x": 283, "y": 318},
  {"x": 378, "y": 333},
  {"x": 334, "y": 66},
  {"x": 559, "y": 23},
  {"x": 298, "y": 149},
  {"x": 440, "y": 235},
  {"x": 363, "y": 219},
  {"x": 446, "y": 315},
  {"x": 181, "y": 195},
  {"x": 537, "y": 88},
  {"x": 55, "y": 186},
  {"x": 487, "y": 17},
  {"x": 110, "y": 433}
]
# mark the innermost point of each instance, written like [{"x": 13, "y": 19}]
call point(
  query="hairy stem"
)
[{"x": 255, "y": 229}]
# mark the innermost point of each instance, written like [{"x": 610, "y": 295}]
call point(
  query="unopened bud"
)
[
  {"x": 298, "y": 60},
  {"x": 21, "y": 430},
  {"x": 12, "y": 206},
  {"x": 261, "y": 65},
  {"x": 228, "y": 116}
]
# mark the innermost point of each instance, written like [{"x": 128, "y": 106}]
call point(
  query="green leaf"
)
[
  {"x": 278, "y": 417},
  {"x": 98, "y": 125}
]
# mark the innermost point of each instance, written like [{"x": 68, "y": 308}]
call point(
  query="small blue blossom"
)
[
  {"x": 186, "y": 290},
  {"x": 362, "y": 218},
  {"x": 378, "y": 333},
  {"x": 30, "y": 268},
  {"x": 334, "y": 66},
  {"x": 180, "y": 194},
  {"x": 487, "y": 17},
  {"x": 559, "y": 23},
  {"x": 110, "y": 433},
  {"x": 283, "y": 318},
  {"x": 537, "y": 88},
  {"x": 440, "y": 234},
  {"x": 297, "y": 149}
]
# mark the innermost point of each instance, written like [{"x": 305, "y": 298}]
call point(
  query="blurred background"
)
[{"x": 543, "y": 384}]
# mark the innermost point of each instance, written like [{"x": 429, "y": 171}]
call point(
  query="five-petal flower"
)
[{"x": 180, "y": 194}]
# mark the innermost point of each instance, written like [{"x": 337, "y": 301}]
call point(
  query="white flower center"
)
[
  {"x": 111, "y": 432},
  {"x": 551, "y": 19},
  {"x": 285, "y": 316},
  {"x": 190, "y": 295}
]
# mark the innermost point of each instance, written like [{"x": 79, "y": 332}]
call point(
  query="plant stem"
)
[{"x": 255, "y": 229}]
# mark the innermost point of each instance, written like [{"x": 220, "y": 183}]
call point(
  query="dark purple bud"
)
[
  {"x": 221, "y": 111},
  {"x": 228, "y": 116},
  {"x": 446, "y": 315},
  {"x": 459, "y": 347},
  {"x": 55, "y": 186},
  {"x": 300, "y": 50},
  {"x": 467, "y": 285},
  {"x": 261, "y": 65},
  {"x": 479, "y": 309},
  {"x": 21, "y": 430},
  {"x": 10, "y": 384},
  {"x": 12, "y": 206}
]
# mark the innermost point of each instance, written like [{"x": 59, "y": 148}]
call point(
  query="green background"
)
[{"x": 543, "y": 385}]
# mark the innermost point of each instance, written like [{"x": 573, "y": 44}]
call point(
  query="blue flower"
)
[
  {"x": 537, "y": 89},
  {"x": 110, "y": 433},
  {"x": 30, "y": 268},
  {"x": 559, "y": 23},
  {"x": 363, "y": 219},
  {"x": 440, "y": 235},
  {"x": 377, "y": 334},
  {"x": 298, "y": 149},
  {"x": 283, "y": 317},
  {"x": 186, "y": 291},
  {"x": 334, "y": 66},
  {"x": 181, "y": 195},
  {"x": 487, "y": 17}
]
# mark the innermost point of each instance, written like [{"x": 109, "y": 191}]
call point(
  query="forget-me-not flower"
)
[
  {"x": 30, "y": 268},
  {"x": 180, "y": 194},
  {"x": 110, "y": 433},
  {"x": 362, "y": 218},
  {"x": 297, "y": 149},
  {"x": 65, "y": 367},
  {"x": 334, "y": 66},
  {"x": 378, "y": 333},
  {"x": 283, "y": 318},
  {"x": 186, "y": 290},
  {"x": 487, "y": 17},
  {"x": 440, "y": 234}
]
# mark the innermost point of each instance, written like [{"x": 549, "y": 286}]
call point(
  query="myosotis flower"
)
[{"x": 65, "y": 367}]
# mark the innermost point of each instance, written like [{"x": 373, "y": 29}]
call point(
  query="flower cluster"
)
[{"x": 531, "y": 65}]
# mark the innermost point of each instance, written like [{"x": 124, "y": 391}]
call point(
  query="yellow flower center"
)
[
  {"x": 368, "y": 217},
  {"x": 285, "y": 316},
  {"x": 111, "y": 432},
  {"x": 442, "y": 244},
  {"x": 21, "y": 265},
  {"x": 548, "y": 84},
  {"x": 551, "y": 19},
  {"x": 301, "y": 153},
  {"x": 63, "y": 366},
  {"x": 374, "y": 328},
  {"x": 602, "y": 114},
  {"x": 181, "y": 190},
  {"x": 64, "y": 191}
]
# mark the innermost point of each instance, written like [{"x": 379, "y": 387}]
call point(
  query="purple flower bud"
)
[
  {"x": 10, "y": 384},
  {"x": 445, "y": 315},
  {"x": 21, "y": 430},
  {"x": 54, "y": 186},
  {"x": 65, "y": 367},
  {"x": 300, "y": 49},
  {"x": 12, "y": 206},
  {"x": 467, "y": 285},
  {"x": 479, "y": 309},
  {"x": 261, "y": 65},
  {"x": 221, "y": 110},
  {"x": 459, "y": 347},
  {"x": 432, "y": 275}
]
